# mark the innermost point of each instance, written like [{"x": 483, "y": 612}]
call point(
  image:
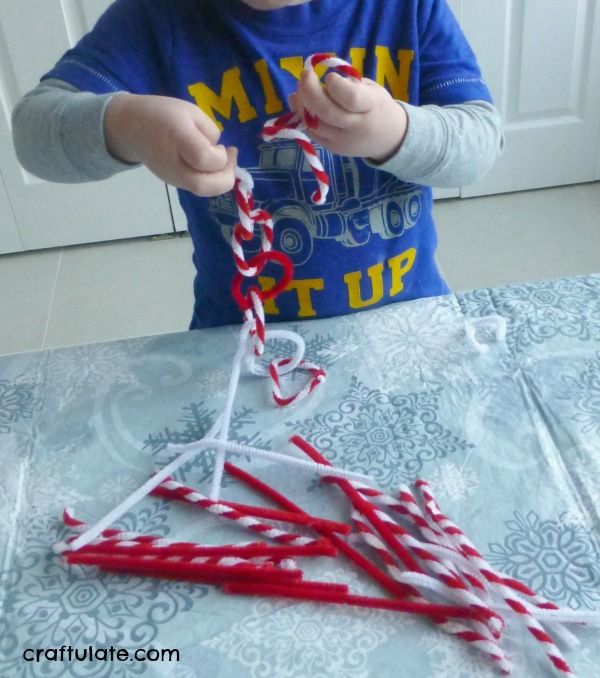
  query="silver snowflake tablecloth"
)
[{"x": 509, "y": 439}]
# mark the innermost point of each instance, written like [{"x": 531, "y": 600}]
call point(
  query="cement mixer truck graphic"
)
[{"x": 352, "y": 213}]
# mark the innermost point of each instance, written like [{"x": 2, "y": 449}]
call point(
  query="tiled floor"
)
[{"x": 141, "y": 287}]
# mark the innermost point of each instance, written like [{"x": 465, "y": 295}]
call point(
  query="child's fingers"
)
[
  {"x": 293, "y": 102},
  {"x": 206, "y": 125},
  {"x": 208, "y": 184},
  {"x": 315, "y": 98},
  {"x": 354, "y": 97},
  {"x": 197, "y": 151},
  {"x": 325, "y": 132}
]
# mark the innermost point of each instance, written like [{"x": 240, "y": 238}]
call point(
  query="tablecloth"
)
[{"x": 508, "y": 437}]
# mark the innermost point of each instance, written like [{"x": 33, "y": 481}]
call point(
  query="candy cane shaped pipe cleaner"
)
[
  {"x": 249, "y": 217},
  {"x": 289, "y": 126},
  {"x": 479, "y": 637},
  {"x": 455, "y": 589},
  {"x": 282, "y": 128},
  {"x": 443, "y": 547},
  {"x": 465, "y": 546},
  {"x": 517, "y": 605}
]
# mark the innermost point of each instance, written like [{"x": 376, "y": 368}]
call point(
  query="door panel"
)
[
  {"x": 49, "y": 215},
  {"x": 543, "y": 67}
]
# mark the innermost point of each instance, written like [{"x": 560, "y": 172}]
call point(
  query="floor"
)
[{"x": 115, "y": 290}]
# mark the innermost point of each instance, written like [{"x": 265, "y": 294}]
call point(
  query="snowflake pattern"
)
[
  {"x": 214, "y": 383},
  {"x": 117, "y": 487},
  {"x": 197, "y": 420},
  {"x": 94, "y": 367},
  {"x": 299, "y": 640},
  {"x": 559, "y": 561},
  {"x": 452, "y": 482},
  {"x": 540, "y": 312},
  {"x": 17, "y": 402},
  {"x": 389, "y": 437},
  {"x": 420, "y": 345},
  {"x": 583, "y": 392},
  {"x": 51, "y": 604},
  {"x": 50, "y": 488}
]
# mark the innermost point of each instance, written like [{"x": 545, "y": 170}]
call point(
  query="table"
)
[{"x": 509, "y": 439}]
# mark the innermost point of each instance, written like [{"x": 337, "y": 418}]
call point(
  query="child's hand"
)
[
  {"x": 174, "y": 139},
  {"x": 355, "y": 118}
]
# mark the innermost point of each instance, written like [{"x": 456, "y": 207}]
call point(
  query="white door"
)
[
  {"x": 10, "y": 240},
  {"x": 542, "y": 62},
  {"x": 33, "y": 35}
]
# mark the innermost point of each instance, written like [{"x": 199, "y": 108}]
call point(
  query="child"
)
[{"x": 185, "y": 86}]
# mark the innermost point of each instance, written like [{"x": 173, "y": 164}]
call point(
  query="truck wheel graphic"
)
[
  {"x": 393, "y": 219},
  {"x": 412, "y": 209},
  {"x": 293, "y": 234}
]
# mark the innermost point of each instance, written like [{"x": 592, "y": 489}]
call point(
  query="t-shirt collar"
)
[{"x": 292, "y": 20}]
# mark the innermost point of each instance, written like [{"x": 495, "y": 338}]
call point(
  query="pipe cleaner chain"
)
[{"x": 288, "y": 126}]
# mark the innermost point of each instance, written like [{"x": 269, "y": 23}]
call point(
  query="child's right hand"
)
[{"x": 173, "y": 138}]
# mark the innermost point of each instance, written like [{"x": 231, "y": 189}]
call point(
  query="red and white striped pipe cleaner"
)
[
  {"x": 175, "y": 490},
  {"x": 448, "y": 584},
  {"x": 291, "y": 127},
  {"x": 479, "y": 637},
  {"x": 288, "y": 126},
  {"x": 249, "y": 217},
  {"x": 446, "y": 549},
  {"x": 127, "y": 542},
  {"x": 407, "y": 506},
  {"x": 317, "y": 374},
  {"x": 113, "y": 540},
  {"x": 466, "y": 547},
  {"x": 354, "y": 556},
  {"x": 524, "y": 610},
  {"x": 136, "y": 544},
  {"x": 166, "y": 568},
  {"x": 451, "y": 587}
]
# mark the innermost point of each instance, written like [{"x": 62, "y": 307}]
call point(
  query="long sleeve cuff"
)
[
  {"x": 447, "y": 146},
  {"x": 58, "y": 134}
]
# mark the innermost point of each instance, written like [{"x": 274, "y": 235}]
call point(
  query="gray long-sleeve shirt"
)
[{"x": 58, "y": 134}]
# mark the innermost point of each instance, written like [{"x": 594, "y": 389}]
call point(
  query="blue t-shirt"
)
[{"x": 374, "y": 239}]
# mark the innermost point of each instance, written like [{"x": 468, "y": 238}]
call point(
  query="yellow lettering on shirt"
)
[
  {"x": 273, "y": 103},
  {"x": 232, "y": 90},
  {"x": 399, "y": 267},
  {"x": 293, "y": 65},
  {"x": 303, "y": 289},
  {"x": 395, "y": 77},
  {"x": 391, "y": 73},
  {"x": 357, "y": 58},
  {"x": 353, "y": 283}
]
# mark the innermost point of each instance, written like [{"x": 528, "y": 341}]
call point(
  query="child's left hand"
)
[{"x": 358, "y": 119}]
